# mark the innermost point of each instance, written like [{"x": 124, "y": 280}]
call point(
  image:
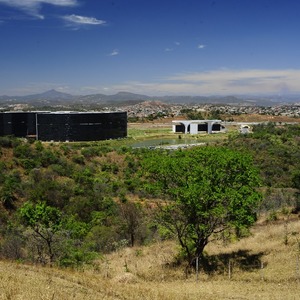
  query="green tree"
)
[
  {"x": 296, "y": 184},
  {"x": 45, "y": 222},
  {"x": 209, "y": 190},
  {"x": 132, "y": 218},
  {"x": 9, "y": 189}
]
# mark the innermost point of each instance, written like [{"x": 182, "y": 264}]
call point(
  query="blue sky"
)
[{"x": 153, "y": 47}]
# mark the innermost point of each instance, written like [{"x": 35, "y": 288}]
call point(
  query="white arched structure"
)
[{"x": 192, "y": 126}]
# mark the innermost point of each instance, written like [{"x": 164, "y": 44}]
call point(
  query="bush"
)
[
  {"x": 23, "y": 151},
  {"x": 12, "y": 245},
  {"x": 102, "y": 238},
  {"x": 78, "y": 159},
  {"x": 90, "y": 152},
  {"x": 6, "y": 141},
  {"x": 48, "y": 158},
  {"x": 9, "y": 190},
  {"x": 76, "y": 258},
  {"x": 28, "y": 164}
]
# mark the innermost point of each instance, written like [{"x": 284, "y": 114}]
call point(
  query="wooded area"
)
[{"x": 69, "y": 203}]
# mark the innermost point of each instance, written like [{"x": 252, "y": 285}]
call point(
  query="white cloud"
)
[
  {"x": 114, "y": 52},
  {"x": 242, "y": 81},
  {"x": 215, "y": 82},
  {"x": 32, "y": 7},
  {"x": 81, "y": 20},
  {"x": 201, "y": 46},
  {"x": 168, "y": 49},
  {"x": 220, "y": 82}
]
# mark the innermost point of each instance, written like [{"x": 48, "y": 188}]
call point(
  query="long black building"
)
[{"x": 64, "y": 126}]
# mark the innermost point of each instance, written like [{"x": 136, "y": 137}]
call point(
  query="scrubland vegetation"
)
[
  {"x": 146, "y": 272},
  {"x": 96, "y": 220}
]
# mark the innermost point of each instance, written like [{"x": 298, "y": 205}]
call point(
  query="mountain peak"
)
[{"x": 53, "y": 92}]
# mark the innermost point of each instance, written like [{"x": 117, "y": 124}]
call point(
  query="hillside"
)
[
  {"x": 145, "y": 272},
  {"x": 86, "y": 210}
]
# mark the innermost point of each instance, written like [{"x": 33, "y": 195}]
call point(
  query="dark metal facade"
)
[
  {"x": 60, "y": 126},
  {"x": 19, "y": 124}
]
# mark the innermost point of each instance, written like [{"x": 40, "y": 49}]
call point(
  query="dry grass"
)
[
  {"x": 262, "y": 118},
  {"x": 146, "y": 273}
]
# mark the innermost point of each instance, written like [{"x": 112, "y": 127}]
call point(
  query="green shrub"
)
[
  {"x": 90, "y": 152},
  {"x": 6, "y": 141},
  {"x": 29, "y": 164},
  {"x": 48, "y": 158},
  {"x": 10, "y": 189},
  {"x": 273, "y": 216},
  {"x": 78, "y": 159},
  {"x": 76, "y": 258},
  {"x": 23, "y": 150}
]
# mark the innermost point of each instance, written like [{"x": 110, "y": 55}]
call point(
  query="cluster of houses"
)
[{"x": 72, "y": 126}]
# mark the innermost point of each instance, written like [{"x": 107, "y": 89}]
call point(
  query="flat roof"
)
[
  {"x": 195, "y": 121},
  {"x": 61, "y": 112}
]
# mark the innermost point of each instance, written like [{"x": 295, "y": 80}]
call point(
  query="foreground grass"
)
[{"x": 148, "y": 273}]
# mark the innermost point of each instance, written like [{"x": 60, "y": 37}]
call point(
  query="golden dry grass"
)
[
  {"x": 261, "y": 118},
  {"x": 145, "y": 273}
]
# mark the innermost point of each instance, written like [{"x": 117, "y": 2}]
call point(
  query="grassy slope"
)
[{"x": 141, "y": 273}]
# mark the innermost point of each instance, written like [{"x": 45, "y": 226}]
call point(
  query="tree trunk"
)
[
  {"x": 132, "y": 238},
  {"x": 51, "y": 254}
]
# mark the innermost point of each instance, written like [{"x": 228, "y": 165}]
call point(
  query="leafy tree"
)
[
  {"x": 9, "y": 190},
  {"x": 105, "y": 232},
  {"x": 75, "y": 252},
  {"x": 47, "y": 185},
  {"x": 209, "y": 190},
  {"x": 296, "y": 184},
  {"x": 132, "y": 217},
  {"x": 45, "y": 222}
]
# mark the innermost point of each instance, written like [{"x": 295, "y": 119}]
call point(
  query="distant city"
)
[{"x": 143, "y": 106}]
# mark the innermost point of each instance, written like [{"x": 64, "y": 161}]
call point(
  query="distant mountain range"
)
[{"x": 53, "y": 97}]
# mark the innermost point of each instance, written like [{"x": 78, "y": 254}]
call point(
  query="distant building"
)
[
  {"x": 64, "y": 126},
  {"x": 244, "y": 129},
  {"x": 197, "y": 126}
]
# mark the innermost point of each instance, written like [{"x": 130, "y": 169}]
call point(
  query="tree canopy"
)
[
  {"x": 44, "y": 220},
  {"x": 208, "y": 190}
]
